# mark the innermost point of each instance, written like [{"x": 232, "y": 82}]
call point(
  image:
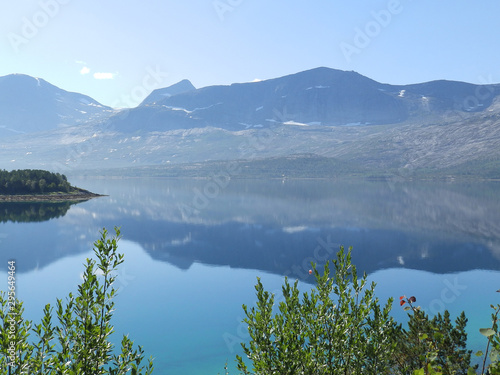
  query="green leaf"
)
[
  {"x": 494, "y": 354},
  {"x": 438, "y": 336},
  {"x": 486, "y": 332},
  {"x": 479, "y": 353}
]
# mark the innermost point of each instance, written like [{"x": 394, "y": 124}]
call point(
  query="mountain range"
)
[
  {"x": 318, "y": 97},
  {"x": 29, "y": 105},
  {"x": 440, "y": 127}
]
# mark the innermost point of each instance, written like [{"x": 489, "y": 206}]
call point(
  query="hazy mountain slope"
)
[
  {"x": 159, "y": 94},
  {"x": 450, "y": 95},
  {"x": 325, "y": 96},
  {"x": 30, "y": 105},
  {"x": 382, "y": 150},
  {"x": 320, "y": 96}
]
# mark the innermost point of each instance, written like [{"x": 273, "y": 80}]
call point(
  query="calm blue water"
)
[{"x": 193, "y": 252}]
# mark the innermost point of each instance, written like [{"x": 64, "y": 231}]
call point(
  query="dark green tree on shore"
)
[{"x": 32, "y": 181}]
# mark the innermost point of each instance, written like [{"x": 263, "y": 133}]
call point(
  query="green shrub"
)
[
  {"x": 315, "y": 334},
  {"x": 493, "y": 346},
  {"x": 432, "y": 344},
  {"x": 78, "y": 344},
  {"x": 340, "y": 328}
]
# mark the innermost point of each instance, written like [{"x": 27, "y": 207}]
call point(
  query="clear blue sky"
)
[{"x": 116, "y": 51}]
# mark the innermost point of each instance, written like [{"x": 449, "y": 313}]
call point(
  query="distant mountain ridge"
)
[
  {"x": 320, "y": 96},
  {"x": 317, "y": 97},
  {"x": 439, "y": 127},
  {"x": 160, "y": 94},
  {"x": 29, "y": 105}
]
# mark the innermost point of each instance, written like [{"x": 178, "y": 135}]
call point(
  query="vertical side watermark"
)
[{"x": 11, "y": 315}]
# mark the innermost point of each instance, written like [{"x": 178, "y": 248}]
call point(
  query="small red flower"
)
[
  {"x": 310, "y": 272},
  {"x": 401, "y": 297},
  {"x": 402, "y": 302}
]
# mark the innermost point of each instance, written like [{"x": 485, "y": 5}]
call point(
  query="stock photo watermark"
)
[
  {"x": 31, "y": 26},
  {"x": 123, "y": 279},
  {"x": 248, "y": 149},
  {"x": 222, "y": 7},
  {"x": 363, "y": 36},
  {"x": 418, "y": 150},
  {"x": 483, "y": 93},
  {"x": 11, "y": 316},
  {"x": 325, "y": 250},
  {"x": 153, "y": 79},
  {"x": 449, "y": 294}
]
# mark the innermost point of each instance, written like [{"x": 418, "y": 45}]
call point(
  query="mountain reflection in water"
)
[
  {"x": 274, "y": 226},
  {"x": 280, "y": 227}
]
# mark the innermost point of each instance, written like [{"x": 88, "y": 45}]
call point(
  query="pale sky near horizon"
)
[{"x": 118, "y": 51}]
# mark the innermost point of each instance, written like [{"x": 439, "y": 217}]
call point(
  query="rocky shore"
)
[{"x": 79, "y": 195}]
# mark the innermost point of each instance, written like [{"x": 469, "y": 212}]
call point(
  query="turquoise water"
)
[{"x": 186, "y": 275}]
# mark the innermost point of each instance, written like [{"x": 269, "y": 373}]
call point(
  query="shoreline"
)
[{"x": 57, "y": 197}]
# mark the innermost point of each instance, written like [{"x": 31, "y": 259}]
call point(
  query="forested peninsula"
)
[{"x": 38, "y": 185}]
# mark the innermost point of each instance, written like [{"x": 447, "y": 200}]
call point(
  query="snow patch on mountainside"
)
[{"x": 295, "y": 123}]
